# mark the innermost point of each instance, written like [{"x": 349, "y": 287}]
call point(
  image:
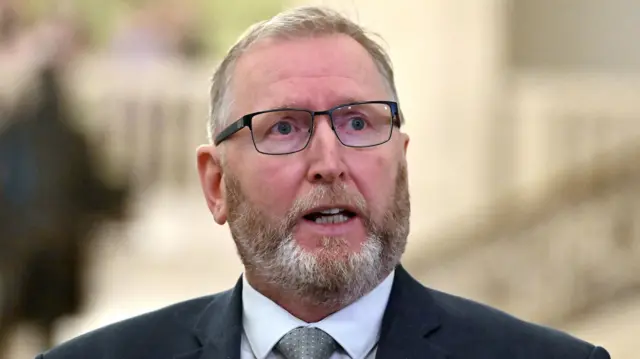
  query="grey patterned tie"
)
[{"x": 307, "y": 343}]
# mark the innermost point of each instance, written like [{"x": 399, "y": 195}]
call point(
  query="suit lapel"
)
[
  {"x": 410, "y": 318},
  {"x": 219, "y": 329}
]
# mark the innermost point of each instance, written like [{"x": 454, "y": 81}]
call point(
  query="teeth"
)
[
  {"x": 336, "y": 218},
  {"x": 331, "y": 211}
]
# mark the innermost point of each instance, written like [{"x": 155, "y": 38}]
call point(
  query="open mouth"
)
[{"x": 330, "y": 216}]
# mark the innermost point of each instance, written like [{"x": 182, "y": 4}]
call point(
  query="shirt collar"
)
[{"x": 356, "y": 327}]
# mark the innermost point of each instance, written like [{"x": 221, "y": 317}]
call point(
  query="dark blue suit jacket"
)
[{"x": 418, "y": 323}]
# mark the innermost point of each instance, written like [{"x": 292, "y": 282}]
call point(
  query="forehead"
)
[{"x": 309, "y": 72}]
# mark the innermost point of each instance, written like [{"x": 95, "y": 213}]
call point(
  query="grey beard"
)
[
  {"x": 328, "y": 283},
  {"x": 269, "y": 252}
]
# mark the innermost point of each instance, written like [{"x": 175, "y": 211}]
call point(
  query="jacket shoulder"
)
[
  {"x": 467, "y": 323},
  {"x": 166, "y": 329}
]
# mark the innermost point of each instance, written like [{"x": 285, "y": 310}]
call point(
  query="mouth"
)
[{"x": 330, "y": 215}]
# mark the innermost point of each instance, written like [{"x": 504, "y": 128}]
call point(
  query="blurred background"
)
[{"x": 524, "y": 119}]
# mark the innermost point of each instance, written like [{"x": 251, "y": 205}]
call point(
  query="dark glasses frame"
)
[{"x": 247, "y": 120}]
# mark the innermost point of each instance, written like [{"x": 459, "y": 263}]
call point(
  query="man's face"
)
[{"x": 273, "y": 202}]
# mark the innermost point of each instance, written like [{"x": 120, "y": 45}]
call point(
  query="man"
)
[{"x": 308, "y": 167}]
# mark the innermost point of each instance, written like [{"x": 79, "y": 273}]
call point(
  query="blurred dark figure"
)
[
  {"x": 191, "y": 46},
  {"x": 51, "y": 197},
  {"x": 9, "y": 23}
]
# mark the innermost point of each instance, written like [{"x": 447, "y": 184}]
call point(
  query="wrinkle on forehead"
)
[
  {"x": 307, "y": 103},
  {"x": 300, "y": 71},
  {"x": 321, "y": 93},
  {"x": 331, "y": 55}
]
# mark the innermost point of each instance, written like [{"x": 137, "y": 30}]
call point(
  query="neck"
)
[{"x": 304, "y": 309}]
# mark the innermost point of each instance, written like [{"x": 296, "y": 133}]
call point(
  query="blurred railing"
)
[
  {"x": 573, "y": 248},
  {"x": 148, "y": 118},
  {"x": 567, "y": 239},
  {"x": 566, "y": 120}
]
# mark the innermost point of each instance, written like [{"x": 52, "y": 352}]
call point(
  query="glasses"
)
[{"x": 288, "y": 130}]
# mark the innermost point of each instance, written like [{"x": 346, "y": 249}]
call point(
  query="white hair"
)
[{"x": 295, "y": 23}]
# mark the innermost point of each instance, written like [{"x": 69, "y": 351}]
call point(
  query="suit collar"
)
[
  {"x": 410, "y": 318},
  {"x": 219, "y": 329}
]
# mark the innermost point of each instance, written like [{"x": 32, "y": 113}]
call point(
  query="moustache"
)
[{"x": 337, "y": 194}]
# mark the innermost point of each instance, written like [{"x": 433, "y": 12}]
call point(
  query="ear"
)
[
  {"x": 405, "y": 142},
  {"x": 210, "y": 173}
]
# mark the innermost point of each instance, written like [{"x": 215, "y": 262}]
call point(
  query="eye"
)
[
  {"x": 282, "y": 128},
  {"x": 357, "y": 123}
]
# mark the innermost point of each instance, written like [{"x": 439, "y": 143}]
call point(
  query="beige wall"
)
[{"x": 586, "y": 35}]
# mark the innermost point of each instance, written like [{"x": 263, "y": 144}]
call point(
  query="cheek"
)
[
  {"x": 274, "y": 186},
  {"x": 374, "y": 177}
]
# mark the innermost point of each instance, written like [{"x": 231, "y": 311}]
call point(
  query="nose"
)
[{"x": 325, "y": 154}]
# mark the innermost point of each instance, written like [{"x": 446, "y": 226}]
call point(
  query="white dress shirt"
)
[{"x": 355, "y": 328}]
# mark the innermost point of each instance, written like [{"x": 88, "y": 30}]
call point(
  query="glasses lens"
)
[
  {"x": 279, "y": 132},
  {"x": 363, "y": 125}
]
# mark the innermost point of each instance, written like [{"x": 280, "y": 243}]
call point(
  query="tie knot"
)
[{"x": 307, "y": 343}]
